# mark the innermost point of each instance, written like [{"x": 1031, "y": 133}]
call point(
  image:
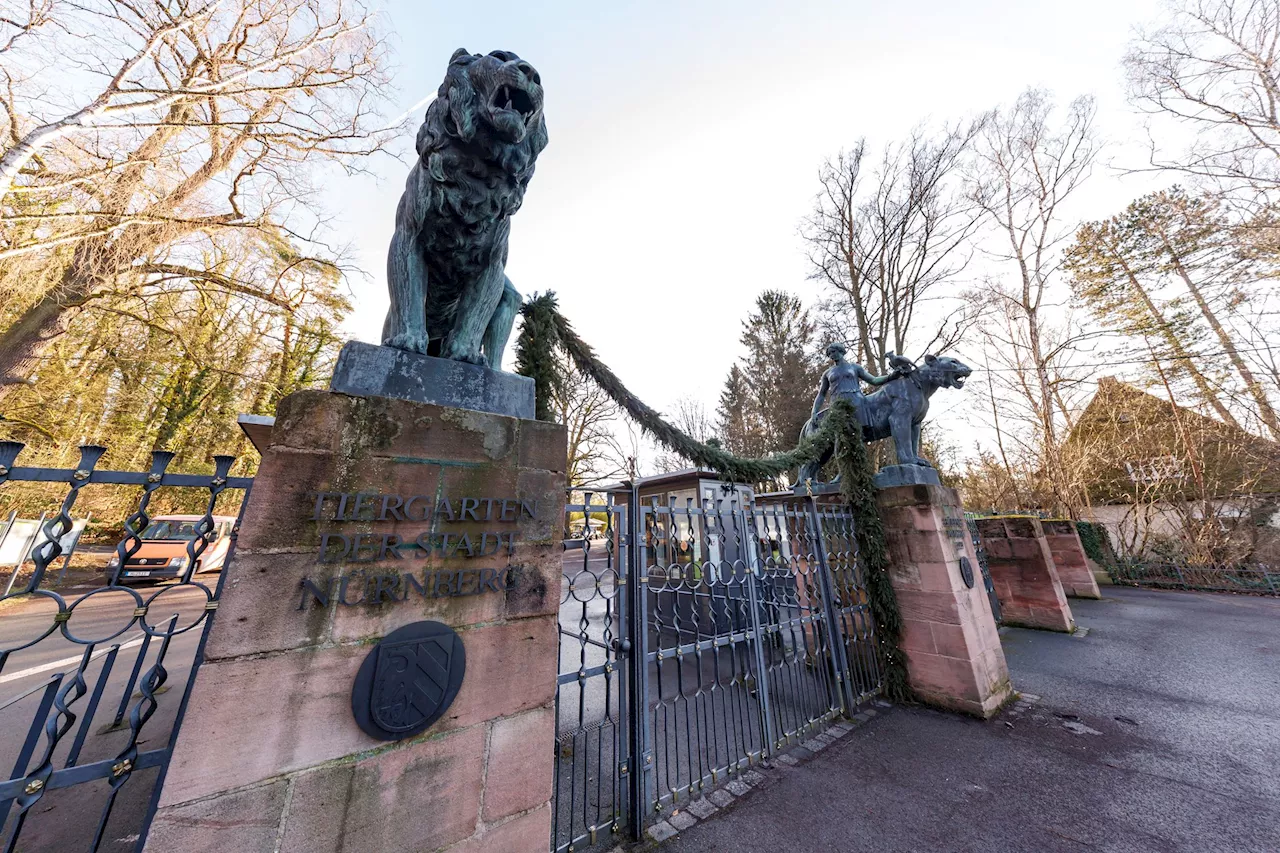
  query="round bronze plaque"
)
[{"x": 408, "y": 680}]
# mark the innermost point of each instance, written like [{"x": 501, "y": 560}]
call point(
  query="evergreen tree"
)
[
  {"x": 767, "y": 398},
  {"x": 737, "y": 419}
]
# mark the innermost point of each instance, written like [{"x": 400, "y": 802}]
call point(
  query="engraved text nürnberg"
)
[{"x": 396, "y": 584}]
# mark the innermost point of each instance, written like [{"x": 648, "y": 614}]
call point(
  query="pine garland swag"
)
[
  {"x": 535, "y": 352},
  {"x": 545, "y": 327},
  {"x": 857, "y": 489}
]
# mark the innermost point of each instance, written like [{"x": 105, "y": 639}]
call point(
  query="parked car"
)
[{"x": 163, "y": 553}]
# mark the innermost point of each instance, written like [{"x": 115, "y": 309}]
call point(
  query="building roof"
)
[{"x": 1130, "y": 445}]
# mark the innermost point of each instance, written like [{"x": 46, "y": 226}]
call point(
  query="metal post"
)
[
  {"x": 835, "y": 633},
  {"x": 13, "y": 516},
  {"x": 75, "y": 543},
  {"x": 767, "y": 727},
  {"x": 637, "y": 661},
  {"x": 26, "y": 549}
]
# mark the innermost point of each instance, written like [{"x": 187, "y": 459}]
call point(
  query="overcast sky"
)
[{"x": 686, "y": 138}]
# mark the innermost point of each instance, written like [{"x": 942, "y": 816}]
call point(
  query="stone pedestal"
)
[
  {"x": 1069, "y": 559},
  {"x": 1023, "y": 573},
  {"x": 954, "y": 657},
  {"x": 369, "y": 514}
]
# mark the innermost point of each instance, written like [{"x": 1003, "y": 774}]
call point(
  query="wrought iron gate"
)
[
  {"x": 695, "y": 640},
  {"x": 89, "y": 732}
]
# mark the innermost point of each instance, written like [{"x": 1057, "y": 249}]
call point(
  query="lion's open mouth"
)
[{"x": 518, "y": 100}]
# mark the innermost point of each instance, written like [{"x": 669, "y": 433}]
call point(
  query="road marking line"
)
[{"x": 58, "y": 664}]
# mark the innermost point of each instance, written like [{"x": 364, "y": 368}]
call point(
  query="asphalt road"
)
[
  {"x": 65, "y": 819},
  {"x": 1157, "y": 731}
]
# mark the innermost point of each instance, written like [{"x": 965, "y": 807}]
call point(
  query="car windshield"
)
[{"x": 162, "y": 529}]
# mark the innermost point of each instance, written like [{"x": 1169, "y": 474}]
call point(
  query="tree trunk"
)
[
  {"x": 1153, "y": 311},
  {"x": 1265, "y": 411},
  {"x": 23, "y": 344}
]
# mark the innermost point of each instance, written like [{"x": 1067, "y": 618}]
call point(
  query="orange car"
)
[{"x": 163, "y": 553}]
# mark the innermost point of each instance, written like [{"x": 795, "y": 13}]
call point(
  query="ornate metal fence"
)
[
  {"x": 1255, "y": 579},
  {"x": 87, "y": 681},
  {"x": 696, "y": 640}
]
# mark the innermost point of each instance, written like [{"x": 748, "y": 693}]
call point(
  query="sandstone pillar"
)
[
  {"x": 954, "y": 657},
  {"x": 369, "y": 514},
  {"x": 1023, "y": 573},
  {"x": 1069, "y": 558}
]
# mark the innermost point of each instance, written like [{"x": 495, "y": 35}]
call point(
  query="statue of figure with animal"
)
[{"x": 895, "y": 410}]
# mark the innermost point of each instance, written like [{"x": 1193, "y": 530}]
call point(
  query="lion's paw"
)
[{"x": 408, "y": 341}]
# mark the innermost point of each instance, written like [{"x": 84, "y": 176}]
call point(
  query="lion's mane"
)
[{"x": 483, "y": 176}]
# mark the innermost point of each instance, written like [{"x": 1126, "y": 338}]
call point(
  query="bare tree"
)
[
  {"x": 1027, "y": 165},
  {"x": 883, "y": 243},
  {"x": 690, "y": 415},
  {"x": 591, "y": 418},
  {"x": 197, "y": 128},
  {"x": 1213, "y": 68}
]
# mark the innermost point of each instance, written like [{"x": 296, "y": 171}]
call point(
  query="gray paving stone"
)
[
  {"x": 720, "y": 797},
  {"x": 841, "y": 729},
  {"x": 661, "y": 831},
  {"x": 737, "y": 787},
  {"x": 788, "y": 760},
  {"x": 701, "y": 808},
  {"x": 814, "y": 745},
  {"x": 682, "y": 820},
  {"x": 752, "y": 778}
]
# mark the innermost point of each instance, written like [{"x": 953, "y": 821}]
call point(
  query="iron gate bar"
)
[
  {"x": 769, "y": 733},
  {"x": 591, "y": 787},
  {"x": 841, "y": 662},
  {"x": 216, "y": 488},
  {"x": 851, "y": 604},
  {"x": 740, "y": 627},
  {"x": 60, "y": 706},
  {"x": 640, "y": 758}
]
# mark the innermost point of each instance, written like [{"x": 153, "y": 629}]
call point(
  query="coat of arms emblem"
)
[{"x": 408, "y": 680}]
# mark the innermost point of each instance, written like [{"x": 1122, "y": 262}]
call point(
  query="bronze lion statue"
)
[{"x": 450, "y": 296}]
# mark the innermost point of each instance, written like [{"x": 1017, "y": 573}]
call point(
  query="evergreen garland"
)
[
  {"x": 545, "y": 327},
  {"x": 535, "y": 352},
  {"x": 858, "y": 491}
]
